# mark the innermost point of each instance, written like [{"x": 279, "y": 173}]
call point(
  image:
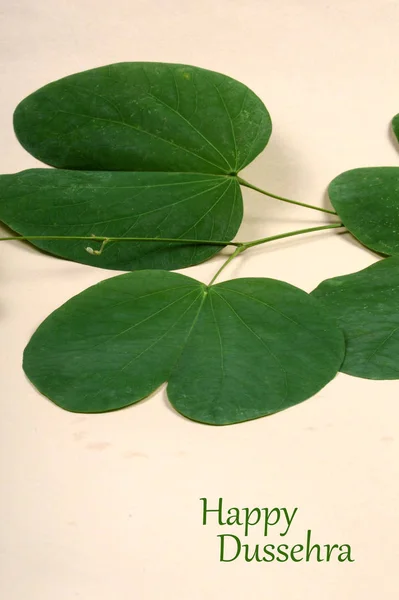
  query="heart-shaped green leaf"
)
[
  {"x": 367, "y": 202},
  {"x": 181, "y": 132},
  {"x": 144, "y": 117},
  {"x": 366, "y": 305},
  {"x": 52, "y": 202},
  {"x": 231, "y": 352}
]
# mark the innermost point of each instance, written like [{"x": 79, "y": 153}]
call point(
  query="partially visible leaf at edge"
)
[
  {"x": 395, "y": 126},
  {"x": 232, "y": 352},
  {"x": 143, "y": 116},
  {"x": 367, "y": 202},
  {"x": 366, "y": 305},
  {"x": 120, "y": 204}
]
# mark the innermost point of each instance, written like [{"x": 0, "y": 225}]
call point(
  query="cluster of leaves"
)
[{"x": 149, "y": 154}]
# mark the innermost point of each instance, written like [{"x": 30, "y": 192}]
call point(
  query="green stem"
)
[
  {"x": 236, "y": 252},
  {"x": 257, "y": 189},
  {"x": 96, "y": 238},
  {"x": 244, "y": 246},
  {"x": 241, "y": 246},
  {"x": 291, "y": 234}
]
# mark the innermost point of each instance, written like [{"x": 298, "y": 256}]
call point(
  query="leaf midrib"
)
[
  {"x": 157, "y": 137},
  {"x": 137, "y": 215},
  {"x": 262, "y": 341},
  {"x": 175, "y": 111},
  {"x": 118, "y": 371}
]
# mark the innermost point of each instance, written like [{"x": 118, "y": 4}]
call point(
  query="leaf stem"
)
[
  {"x": 257, "y": 189},
  {"x": 241, "y": 246},
  {"x": 96, "y": 238},
  {"x": 280, "y": 236},
  {"x": 236, "y": 252},
  {"x": 245, "y": 245}
]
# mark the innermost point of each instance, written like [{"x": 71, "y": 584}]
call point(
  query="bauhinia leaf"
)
[
  {"x": 144, "y": 117},
  {"x": 176, "y": 134},
  {"x": 367, "y": 202},
  {"x": 395, "y": 126},
  {"x": 231, "y": 352},
  {"x": 52, "y": 202},
  {"x": 366, "y": 305}
]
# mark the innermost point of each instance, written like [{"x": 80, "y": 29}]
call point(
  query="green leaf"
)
[
  {"x": 395, "y": 126},
  {"x": 231, "y": 352},
  {"x": 366, "y": 305},
  {"x": 367, "y": 201},
  {"x": 176, "y": 134},
  {"x": 144, "y": 117},
  {"x": 118, "y": 204}
]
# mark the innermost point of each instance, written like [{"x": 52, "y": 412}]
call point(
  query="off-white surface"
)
[{"x": 107, "y": 506}]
